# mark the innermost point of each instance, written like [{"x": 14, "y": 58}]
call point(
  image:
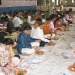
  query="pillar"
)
[
  {"x": 55, "y": 2},
  {"x": 58, "y": 2}
]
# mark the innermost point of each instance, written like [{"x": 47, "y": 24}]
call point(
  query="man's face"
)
[
  {"x": 27, "y": 31},
  {"x": 42, "y": 26}
]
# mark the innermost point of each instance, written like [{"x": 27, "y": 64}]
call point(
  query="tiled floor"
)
[{"x": 56, "y": 59}]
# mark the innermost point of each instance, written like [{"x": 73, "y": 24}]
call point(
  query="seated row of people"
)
[{"x": 19, "y": 17}]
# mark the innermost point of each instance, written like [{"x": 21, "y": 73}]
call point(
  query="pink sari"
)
[{"x": 51, "y": 26}]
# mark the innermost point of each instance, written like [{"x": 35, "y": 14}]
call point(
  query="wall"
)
[
  {"x": 11, "y": 3},
  {"x": 7, "y": 5},
  {"x": 45, "y": 8}
]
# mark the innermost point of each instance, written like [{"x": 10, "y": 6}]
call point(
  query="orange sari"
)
[{"x": 46, "y": 29}]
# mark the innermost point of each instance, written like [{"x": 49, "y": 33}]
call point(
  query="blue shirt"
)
[{"x": 24, "y": 41}]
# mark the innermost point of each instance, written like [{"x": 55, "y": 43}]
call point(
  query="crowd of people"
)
[{"x": 32, "y": 26}]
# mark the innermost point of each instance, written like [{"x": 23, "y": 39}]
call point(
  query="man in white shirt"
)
[
  {"x": 38, "y": 34},
  {"x": 30, "y": 21},
  {"x": 17, "y": 21}
]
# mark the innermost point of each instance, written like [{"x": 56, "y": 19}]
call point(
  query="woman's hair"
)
[
  {"x": 27, "y": 27},
  {"x": 4, "y": 19},
  {"x": 52, "y": 16},
  {"x": 1, "y": 37},
  {"x": 39, "y": 19},
  {"x": 8, "y": 41},
  {"x": 24, "y": 24},
  {"x": 48, "y": 18},
  {"x": 19, "y": 29},
  {"x": 40, "y": 23},
  {"x": 58, "y": 19}
]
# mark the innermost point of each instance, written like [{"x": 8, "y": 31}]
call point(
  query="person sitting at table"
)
[{"x": 24, "y": 40}]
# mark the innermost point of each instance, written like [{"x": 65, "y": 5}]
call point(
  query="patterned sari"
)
[{"x": 4, "y": 60}]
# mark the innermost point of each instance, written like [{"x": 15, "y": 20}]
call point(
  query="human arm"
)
[
  {"x": 13, "y": 68},
  {"x": 24, "y": 41},
  {"x": 41, "y": 36}
]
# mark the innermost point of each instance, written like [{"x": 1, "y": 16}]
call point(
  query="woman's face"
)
[{"x": 7, "y": 47}]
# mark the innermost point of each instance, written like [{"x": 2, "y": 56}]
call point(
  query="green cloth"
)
[{"x": 10, "y": 26}]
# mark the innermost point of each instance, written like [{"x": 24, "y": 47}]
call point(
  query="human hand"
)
[
  {"x": 18, "y": 69},
  {"x": 36, "y": 48},
  {"x": 49, "y": 37},
  {"x": 74, "y": 64},
  {"x": 38, "y": 40}
]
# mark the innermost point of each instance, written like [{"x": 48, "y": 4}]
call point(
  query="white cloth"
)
[
  {"x": 31, "y": 34},
  {"x": 67, "y": 17},
  {"x": 38, "y": 34},
  {"x": 49, "y": 35},
  {"x": 17, "y": 22},
  {"x": 43, "y": 20},
  {"x": 2, "y": 48},
  {"x": 61, "y": 7},
  {"x": 28, "y": 50},
  {"x": 35, "y": 44},
  {"x": 14, "y": 63},
  {"x": 2, "y": 73},
  {"x": 65, "y": 21},
  {"x": 29, "y": 20}
]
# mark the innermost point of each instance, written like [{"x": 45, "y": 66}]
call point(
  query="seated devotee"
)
[
  {"x": 58, "y": 25},
  {"x": 10, "y": 15},
  {"x": 3, "y": 26},
  {"x": 68, "y": 18},
  {"x": 64, "y": 21},
  {"x": 38, "y": 34},
  {"x": 6, "y": 64},
  {"x": 3, "y": 14},
  {"x": 46, "y": 29},
  {"x": 10, "y": 25},
  {"x": 51, "y": 24},
  {"x": 30, "y": 21},
  {"x": 43, "y": 18},
  {"x": 24, "y": 41},
  {"x": 16, "y": 20},
  {"x": 25, "y": 19},
  {"x": 18, "y": 31},
  {"x": 38, "y": 20}
]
